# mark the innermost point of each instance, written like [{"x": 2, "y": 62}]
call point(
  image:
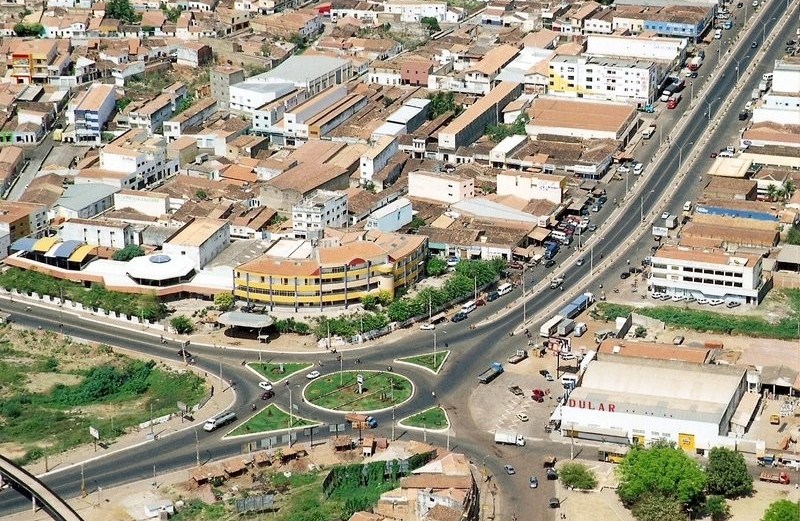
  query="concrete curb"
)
[
  {"x": 370, "y": 411},
  {"x": 421, "y": 429},
  {"x": 229, "y": 436},
  {"x": 441, "y": 366}
]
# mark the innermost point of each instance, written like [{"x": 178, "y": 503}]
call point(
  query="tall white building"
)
[
  {"x": 781, "y": 104},
  {"x": 440, "y": 186},
  {"x": 710, "y": 274},
  {"x": 143, "y": 159},
  {"x": 377, "y": 156},
  {"x": 321, "y": 209},
  {"x": 95, "y": 232},
  {"x": 90, "y": 114},
  {"x": 613, "y": 79},
  {"x": 200, "y": 240}
]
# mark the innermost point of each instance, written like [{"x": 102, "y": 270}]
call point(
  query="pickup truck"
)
[
  {"x": 490, "y": 374},
  {"x": 516, "y": 390},
  {"x": 518, "y": 357},
  {"x": 775, "y": 477},
  {"x": 361, "y": 421}
]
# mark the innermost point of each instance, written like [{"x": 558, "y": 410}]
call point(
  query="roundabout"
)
[{"x": 379, "y": 390}]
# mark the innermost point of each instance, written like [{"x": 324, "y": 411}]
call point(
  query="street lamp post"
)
[{"x": 709, "y": 105}]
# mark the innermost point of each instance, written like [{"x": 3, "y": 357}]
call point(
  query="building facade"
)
[
  {"x": 709, "y": 274},
  {"x": 91, "y": 113},
  {"x": 322, "y": 209},
  {"x": 440, "y": 186},
  {"x": 200, "y": 240},
  {"x": 622, "y": 80},
  {"x": 340, "y": 270},
  {"x": 108, "y": 234}
]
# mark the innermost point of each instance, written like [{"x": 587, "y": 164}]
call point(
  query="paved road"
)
[
  {"x": 472, "y": 350},
  {"x": 36, "y": 157}
]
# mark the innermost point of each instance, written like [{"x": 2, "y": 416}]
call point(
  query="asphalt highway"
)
[{"x": 471, "y": 350}]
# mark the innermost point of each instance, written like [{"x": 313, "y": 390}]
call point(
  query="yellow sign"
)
[{"x": 686, "y": 442}]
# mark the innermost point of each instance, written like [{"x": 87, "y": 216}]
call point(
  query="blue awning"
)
[
  {"x": 24, "y": 244},
  {"x": 67, "y": 248}
]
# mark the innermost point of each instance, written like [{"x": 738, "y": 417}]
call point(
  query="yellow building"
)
[
  {"x": 336, "y": 271},
  {"x": 28, "y": 60}
]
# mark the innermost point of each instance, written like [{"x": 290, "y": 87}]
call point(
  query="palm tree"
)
[
  {"x": 788, "y": 189},
  {"x": 772, "y": 192}
]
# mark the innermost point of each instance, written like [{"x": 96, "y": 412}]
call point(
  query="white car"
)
[
  {"x": 665, "y": 215},
  {"x": 623, "y": 169},
  {"x": 637, "y": 168},
  {"x": 427, "y": 327},
  {"x": 312, "y": 375},
  {"x": 702, "y": 301},
  {"x": 568, "y": 356},
  {"x": 715, "y": 301},
  {"x": 265, "y": 385},
  {"x": 521, "y": 416}
]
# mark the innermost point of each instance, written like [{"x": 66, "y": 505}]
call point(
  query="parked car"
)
[
  {"x": 592, "y": 227},
  {"x": 493, "y": 296},
  {"x": 521, "y": 416},
  {"x": 312, "y": 375},
  {"x": 509, "y": 469},
  {"x": 665, "y": 215},
  {"x": 427, "y": 327},
  {"x": 549, "y": 263},
  {"x": 713, "y": 155},
  {"x": 548, "y": 376},
  {"x": 552, "y": 474},
  {"x": 534, "y": 482},
  {"x": 458, "y": 317},
  {"x": 265, "y": 385},
  {"x": 624, "y": 275},
  {"x": 553, "y": 502},
  {"x": 733, "y": 304},
  {"x": 637, "y": 168},
  {"x": 678, "y": 340},
  {"x": 692, "y": 74},
  {"x": 623, "y": 169}
]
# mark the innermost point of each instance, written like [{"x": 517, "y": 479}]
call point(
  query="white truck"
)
[
  {"x": 648, "y": 132},
  {"x": 509, "y": 438},
  {"x": 549, "y": 328}
]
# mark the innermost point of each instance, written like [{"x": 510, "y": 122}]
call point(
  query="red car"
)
[{"x": 537, "y": 395}]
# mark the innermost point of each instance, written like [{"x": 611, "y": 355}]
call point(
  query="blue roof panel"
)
[
  {"x": 24, "y": 244},
  {"x": 67, "y": 248}
]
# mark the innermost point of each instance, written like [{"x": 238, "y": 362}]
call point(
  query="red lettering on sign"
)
[{"x": 585, "y": 404}]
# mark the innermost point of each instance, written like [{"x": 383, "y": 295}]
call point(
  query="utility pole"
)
[
  {"x": 196, "y": 448},
  {"x": 83, "y": 483},
  {"x": 393, "y": 406}
]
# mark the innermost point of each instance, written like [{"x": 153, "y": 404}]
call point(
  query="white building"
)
[
  {"x": 377, "y": 156},
  {"x": 414, "y": 10},
  {"x": 532, "y": 185},
  {"x": 636, "y": 47},
  {"x": 95, "y": 232},
  {"x": 250, "y": 95},
  {"x": 391, "y": 217},
  {"x": 440, "y": 186},
  {"x": 154, "y": 204},
  {"x": 143, "y": 159},
  {"x": 265, "y": 116},
  {"x": 638, "y": 401},
  {"x": 321, "y": 209},
  {"x": 91, "y": 112},
  {"x": 200, "y": 240},
  {"x": 709, "y": 274},
  {"x": 85, "y": 200},
  {"x": 294, "y": 120},
  {"x": 312, "y": 73},
  {"x": 781, "y": 104},
  {"x": 612, "y": 79}
]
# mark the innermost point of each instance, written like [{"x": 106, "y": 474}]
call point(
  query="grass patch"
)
[
  {"x": 111, "y": 397},
  {"x": 381, "y": 389},
  {"x": 271, "y": 418},
  {"x": 427, "y": 360},
  {"x": 272, "y": 371},
  {"x": 711, "y": 322},
  {"x": 433, "y": 418}
]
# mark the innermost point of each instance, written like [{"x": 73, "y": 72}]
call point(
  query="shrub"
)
[{"x": 182, "y": 325}]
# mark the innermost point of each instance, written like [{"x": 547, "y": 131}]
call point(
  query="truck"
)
[
  {"x": 671, "y": 222},
  {"x": 556, "y": 282},
  {"x": 551, "y": 248},
  {"x": 509, "y": 438},
  {"x": 648, "y": 132},
  {"x": 549, "y": 328},
  {"x": 775, "y": 477},
  {"x": 518, "y": 357},
  {"x": 695, "y": 63},
  {"x": 565, "y": 327},
  {"x": 763, "y": 86},
  {"x": 755, "y": 94},
  {"x": 361, "y": 421},
  {"x": 580, "y": 304},
  {"x": 490, "y": 374}
]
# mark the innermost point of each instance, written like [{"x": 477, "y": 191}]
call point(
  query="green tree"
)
[
  {"x": 370, "y": 301},
  {"x": 201, "y": 194},
  {"x": 660, "y": 470},
  {"x": 431, "y": 23},
  {"x": 793, "y": 235},
  {"x": 782, "y": 510},
  {"x": 577, "y": 475},
  {"x": 182, "y": 325},
  {"x": 727, "y": 473},
  {"x": 501, "y": 131},
  {"x": 399, "y": 310},
  {"x": 442, "y": 102},
  {"x": 436, "y": 266},
  {"x": 656, "y": 507},
  {"x": 417, "y": 222},
  {"x": 772, "y": 192},
  {"x": 127, "y": 253},
  {"x": 223, "y": 301},
  {"x": 171, "y": 13},
  {"x": 640, "y": 332},
  {"x": 122, "y": 10},
  {"x": 717, "y": 508},
  {"x": 23, "y": 29}
]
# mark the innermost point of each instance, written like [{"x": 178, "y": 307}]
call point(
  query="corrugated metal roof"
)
[
  {"x": 44, "y": 244},
  {"x": 66, "y": 249},
  {"x": 24, "y": 244}
]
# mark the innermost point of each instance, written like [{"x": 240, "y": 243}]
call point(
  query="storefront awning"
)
[{"x": 238, "y": 318}]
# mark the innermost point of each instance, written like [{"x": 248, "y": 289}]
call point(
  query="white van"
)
[
  {"x": 503, "y": 289},
  {"x": 569, "y": 380},
  {"x": 718, "y": 34},
  {"x": 469, "y": 307},
  {"x": 687, "y": 206},
  {"x": 767, "y": 76},
  {"x": 219, "y": 420}
]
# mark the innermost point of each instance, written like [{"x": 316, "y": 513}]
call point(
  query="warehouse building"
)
[{"x": 638, "y": 401}]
